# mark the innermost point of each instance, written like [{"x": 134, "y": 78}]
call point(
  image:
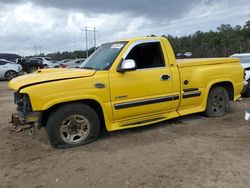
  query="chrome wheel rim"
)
[
  {"x": 74, "y": 129},
  {"x": 10, "y": 74},
  {"x": 218, "y": 103}
]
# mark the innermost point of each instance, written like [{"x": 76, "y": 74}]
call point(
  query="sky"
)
[{"x": 28, "y": 26}]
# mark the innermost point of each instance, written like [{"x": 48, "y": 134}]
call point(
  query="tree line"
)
[
  {"x": 223, "y": 42},
  {"x": 70, "y": 55}
]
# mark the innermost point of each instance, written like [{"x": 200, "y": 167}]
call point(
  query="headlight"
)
[{"x": 23, "y": 102}]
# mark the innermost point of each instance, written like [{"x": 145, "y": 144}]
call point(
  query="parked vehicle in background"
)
[
  {"x": 9, "y": 70},
  {"x": 188, "y": 54},
  {"x": 179, "y": 55},
  {"x": 56, "y": 64},
  {"x": 10, "y": 56},
  {"x": 245, "y": 63},
  {"x": 47, "y": 62},
  {"x": 30, "y": 65},
  {"x": 62, "y": 63},
  {"x": 183, "y": 55},
  {"x": 75, "y": 63}
]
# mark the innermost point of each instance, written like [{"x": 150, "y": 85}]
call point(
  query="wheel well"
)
[
  {"x": 92, "y": 103},
  {"x": 228, "y": 86},
  {"x": 9, "y": 71}
]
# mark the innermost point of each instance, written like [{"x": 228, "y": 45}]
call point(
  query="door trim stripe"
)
[
  {"x": 190, "y": 89},
  {"x": 145, "y": 102},
  {"x": 191, "y": 94}
]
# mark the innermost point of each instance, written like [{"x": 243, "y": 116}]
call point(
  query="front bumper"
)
[{"x": 18, "y": 119}]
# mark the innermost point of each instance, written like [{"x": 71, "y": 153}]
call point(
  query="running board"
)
[{"x": 144, "y": 122}]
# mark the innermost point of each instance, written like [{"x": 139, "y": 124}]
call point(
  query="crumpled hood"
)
[{"x": 48, "y": 75}]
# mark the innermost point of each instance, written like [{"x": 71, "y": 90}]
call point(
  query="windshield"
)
[
  {"x": 243, "y": 59},
  {"x": 104, "y": 57}
]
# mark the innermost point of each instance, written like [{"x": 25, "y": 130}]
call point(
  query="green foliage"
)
[
  {"x": 223, "y": 42},
  {"x": 70, "y": 55}
]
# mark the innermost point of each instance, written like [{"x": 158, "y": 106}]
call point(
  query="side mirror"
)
[{"x": 127, "y": 65}]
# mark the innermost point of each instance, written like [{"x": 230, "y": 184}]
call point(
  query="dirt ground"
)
[{"x": 192, "y": 151}]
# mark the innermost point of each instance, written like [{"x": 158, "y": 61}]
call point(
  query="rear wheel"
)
[
  {"x": 72, "y": 125},
  {"x": 10, "y": 74},
  {"x": 217, "y": 102}
]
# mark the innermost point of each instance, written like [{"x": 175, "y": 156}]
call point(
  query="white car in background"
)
[
  {"x": 9, "y": 70},
  {"x": 73, "y": 63},
  {"x": 245, "y": 63},
  {"x": 47, "y": 62}
]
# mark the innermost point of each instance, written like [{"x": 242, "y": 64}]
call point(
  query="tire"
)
[
  {"x": 72, "y": 125},
  {"x": 217, "y": 102},
  {"x": 45, "y": 66},
  {"x": 32, "y": 69},
  {"x": 246, "y": 92},
  {"x": 10, "y": 74}
]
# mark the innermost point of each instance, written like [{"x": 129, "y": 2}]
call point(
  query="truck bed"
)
[{"x": 204, "y": 61}]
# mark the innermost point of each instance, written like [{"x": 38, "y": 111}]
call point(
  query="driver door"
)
[{"x": 142, "y": 92}]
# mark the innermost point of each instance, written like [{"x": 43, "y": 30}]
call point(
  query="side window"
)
[
  {"x": 3, "y": 56},
  {"x": 147, "y": 55},
  {"x": 2, "y": 63},
  {"x": 12, "y": 57}
]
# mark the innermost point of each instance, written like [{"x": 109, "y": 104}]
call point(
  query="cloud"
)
[
  {"x": 56, "y": 25},
  {"x": 148, "y": 8}
]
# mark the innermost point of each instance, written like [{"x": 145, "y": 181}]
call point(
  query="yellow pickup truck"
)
[{"x": 124, "y": 84}]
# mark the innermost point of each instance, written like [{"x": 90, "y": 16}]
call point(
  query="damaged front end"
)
[{"x": 25, "y": 117}]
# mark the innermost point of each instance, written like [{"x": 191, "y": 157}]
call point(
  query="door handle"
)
[{"x": 165, "y": 77}]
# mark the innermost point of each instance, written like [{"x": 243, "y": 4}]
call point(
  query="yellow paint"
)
[{"x": 138, "y": 85}]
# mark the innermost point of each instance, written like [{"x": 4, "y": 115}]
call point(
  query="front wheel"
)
[
  {"x": 217, "y": 102},
  {"x": 10, "y": 74},
  {"x": 72, "y": 125}
]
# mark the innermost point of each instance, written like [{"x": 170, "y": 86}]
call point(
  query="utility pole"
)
[
  {"x": 88, "y": 29},
  {"x": 94, "y": 38},
  {"x": 86, "y": 34}
]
